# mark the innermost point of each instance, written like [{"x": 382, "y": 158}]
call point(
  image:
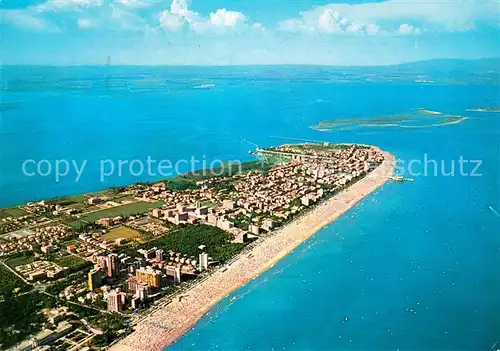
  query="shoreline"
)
[{"x": 168, "y": 324}]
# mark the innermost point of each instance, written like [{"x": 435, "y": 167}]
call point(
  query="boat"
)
[{"x": 401, "y": 179}]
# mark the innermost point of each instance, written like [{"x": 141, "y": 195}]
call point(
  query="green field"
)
[
  {"x": 124, "y": 210},
  {"x": 9, "y": 282},
  {"x": 69, "y": 242},
  {"x": 75, "y": 224},
  {"x": 187, "y": 240},
  {"x": 121, "y": 232},
  {"x": 111, "y": 192},
  {"x": 77, "y": 206},
  {"x": 12, "y": 212},
  {"x": 68, "y": 200},
  {"x": 74, "y": 263},
  {"x": 79, "y": 202},
  {"x": 19, "y": 261},
  {"x": 188, "y": 181},
  {"x": 125, "y": 198},
  {"x": 209, "y": 204}
]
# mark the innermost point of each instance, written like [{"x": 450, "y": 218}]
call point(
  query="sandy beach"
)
[{"x": 166, "y": 325}]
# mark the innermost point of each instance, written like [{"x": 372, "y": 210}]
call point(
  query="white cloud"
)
[
  {"x": 105, "y": 14},
  {"x": 372, "y": 29},
  {"x": 328, "y": 21},
  {"x": 25, "y": 20},
  {"x": 41, "y": 17},
  {"x": 179, "y": 16},
  {"x": 259, "y": 26},
  {"x": 87, "y": 23},
  {"x": 127, "y": 20},
  {"x": 170, "y": 21},
  {"x": 134, "y": 3},
  {"x": 223, "y": 17},
  {"x": 407, "y": 29},
  {"x": 180, "y": 7},
  {"x": 295, "y": 25},
  {"x": 391, "y": 17},
  {"x": 394, "y": 16},
  {"x": 67, "y": 5}
]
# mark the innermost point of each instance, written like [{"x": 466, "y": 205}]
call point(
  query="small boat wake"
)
[
  {"x": 496, "y": 342},
  {"x": 494, "y": 211}
]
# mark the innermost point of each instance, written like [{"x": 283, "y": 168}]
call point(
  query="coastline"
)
[{"x": 171, "y": 322}]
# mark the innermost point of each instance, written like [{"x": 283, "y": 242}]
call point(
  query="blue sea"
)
[{"x": 414, "y": 266}]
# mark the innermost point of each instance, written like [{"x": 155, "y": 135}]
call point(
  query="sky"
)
[{"x": 240, "y": 32}]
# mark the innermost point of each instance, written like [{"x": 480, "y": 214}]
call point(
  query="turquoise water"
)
[{"x": 414, "y": 266}]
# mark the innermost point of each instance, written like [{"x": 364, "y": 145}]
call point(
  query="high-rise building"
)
[
  {"x": 142, "y": 292},
  {"x": 140, "y": 289},
  {"x": 202, "y": 211},
  {"x": 174, "y": 272},
  {"x": 181, "y": 207},
  {"x": 101, "y": 261},
  {"x": 116, "y": 300},
  {"x": 181, "y": 217},
  {"x": 229, "y": 204},
  {"x": 132, "y": 284},
  {"x": 95, "y": 278},
  {"x": 177, "y": 275},
  {"x": 135, "y": 302},
  {"x": 306, "y": 201},
  {"x": 203, "y": 261},
  {"x": 254, "y": 229},
  {"x": 112, "y": 264},
  {"x": 157, "y": 213},
  {"x": 149, "y": 276},
  {"x": 147, "y": 253},
  {"x": 160, "y": 255}
]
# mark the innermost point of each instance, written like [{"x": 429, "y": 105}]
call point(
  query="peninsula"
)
[{"x": 137, "y": 267}]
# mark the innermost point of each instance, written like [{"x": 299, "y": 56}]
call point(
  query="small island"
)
[
  {"x": 420, "y": 118},
  {"x": 485, "y": 109},
  {"x": 135, "y": 267}
]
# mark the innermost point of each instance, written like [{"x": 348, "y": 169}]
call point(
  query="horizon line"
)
[{"x": 241, "y": 65}]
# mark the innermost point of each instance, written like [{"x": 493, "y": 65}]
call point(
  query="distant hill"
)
[
  {"x": 488, "y": 65},
  {"x": 119, "y": 79}
]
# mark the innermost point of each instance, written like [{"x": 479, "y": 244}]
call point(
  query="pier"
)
[{"x": 401, "y": 179}]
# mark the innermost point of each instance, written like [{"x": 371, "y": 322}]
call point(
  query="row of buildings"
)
[
  {"x": 264, "y": 200},
  {"x": 39, "y": 270},
  {"x": 35, "y": 238}
]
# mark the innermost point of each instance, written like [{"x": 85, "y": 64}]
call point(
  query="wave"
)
[{"x": 204, "y": 86}]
